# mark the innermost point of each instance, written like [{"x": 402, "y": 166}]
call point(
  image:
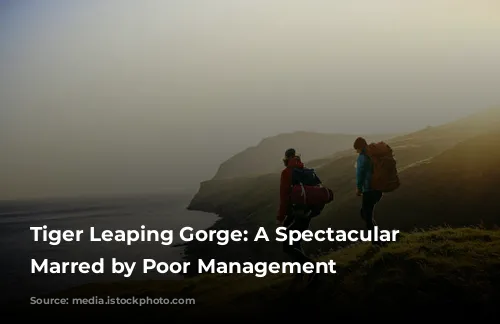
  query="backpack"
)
[
  {"x": 308, "y": 191},
  {"x": 305, "y": 176},
  {"x": 385, "y": 176}
]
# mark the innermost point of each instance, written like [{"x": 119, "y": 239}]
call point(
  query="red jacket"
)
[{"x": 286, "y": 186}]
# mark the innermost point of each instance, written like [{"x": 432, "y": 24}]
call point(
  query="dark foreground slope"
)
[{"x": 444, "y": 273}]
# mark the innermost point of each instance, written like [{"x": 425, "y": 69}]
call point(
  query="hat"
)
[{"x": 290, "y": 153}]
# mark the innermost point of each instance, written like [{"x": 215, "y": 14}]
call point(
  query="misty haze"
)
[
  {"x": 126, "y": 96},
  {"x": 235, "y": 116}
]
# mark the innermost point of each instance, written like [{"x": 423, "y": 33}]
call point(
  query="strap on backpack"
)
[{"x": 303, "y": 193}]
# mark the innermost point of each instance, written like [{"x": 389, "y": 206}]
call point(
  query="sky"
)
[{"x": 125, "y": 95}]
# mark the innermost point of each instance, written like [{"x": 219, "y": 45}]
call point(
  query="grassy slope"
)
[
  {"x": 432, "y": 191},
  {"x": 266, "y": 156},
  {"x": 425, "y": 274},
  {"x": 255, "y": 195},
  {"x": 455, "y": 187}
]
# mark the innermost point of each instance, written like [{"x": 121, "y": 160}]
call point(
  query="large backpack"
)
[
  {"x": 305, "y": 176},
  {"x": 308, "y": 191},
  {"x": 385, "y": 176}
]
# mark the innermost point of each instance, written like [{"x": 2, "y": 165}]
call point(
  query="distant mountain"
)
[
  {"x": 449, "y": 173},
  {"x": 266, "y": 156}
]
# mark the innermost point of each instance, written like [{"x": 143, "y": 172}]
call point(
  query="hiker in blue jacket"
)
[{"x": 364, "y": 172}]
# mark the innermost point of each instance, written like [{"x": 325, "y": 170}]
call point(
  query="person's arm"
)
[
  {"x": 285, "y": 183},
  {"x": 361, "y": 172}
]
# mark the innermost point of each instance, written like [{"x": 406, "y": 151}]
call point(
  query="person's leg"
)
[
  {"x": 370, "y": 200},
  {"x": 295, "y": 251},
  {"x": 298, "y": 222},
  {"x": 303, "y": 224},
  {"x": 316, "y": 210},
  {"x": 289, "y": 223},
  {"x": 377, "y": 195},
  {"x": 367, "y": 207}
]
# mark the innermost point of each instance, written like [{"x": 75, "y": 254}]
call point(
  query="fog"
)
[{"x": 130, "y": 96}]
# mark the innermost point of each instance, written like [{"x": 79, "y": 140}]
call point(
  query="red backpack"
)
[{"x": 307, "y": 189}]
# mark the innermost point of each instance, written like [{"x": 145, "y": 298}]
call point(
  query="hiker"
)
[
  {"x": 296, "y": 216},
  {"x": 364, "y": 173},
  {"x": 376, "y": 174}
]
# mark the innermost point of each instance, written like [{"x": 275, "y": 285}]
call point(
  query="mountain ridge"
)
[
  {"x": 265, "y": 157},
  {"x": 247, "y": 203}
]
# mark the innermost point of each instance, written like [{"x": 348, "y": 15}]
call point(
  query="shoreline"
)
[{"x": 19, "y": 248}]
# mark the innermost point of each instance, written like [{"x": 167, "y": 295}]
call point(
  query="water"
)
[{"x": 17, "y": 247}]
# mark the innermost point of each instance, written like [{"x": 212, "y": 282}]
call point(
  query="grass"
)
[
  {"x": 443, "y": 272},
  {"x": 247, "y": 195}
]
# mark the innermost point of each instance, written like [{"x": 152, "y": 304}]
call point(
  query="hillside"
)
[
  {"x": 266, "y": 156},
  {"x": 454, "y": 187},
  {"x": 432, "y": 192},
  {"x": 441, "y": 274}
]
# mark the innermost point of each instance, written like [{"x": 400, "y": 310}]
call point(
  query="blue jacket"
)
[{"x": 364, "y": 171}]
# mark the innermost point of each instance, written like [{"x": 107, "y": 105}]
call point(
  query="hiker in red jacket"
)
[
  {"x": 290, "y": 218},
  {"x": 291, "y": 160}
]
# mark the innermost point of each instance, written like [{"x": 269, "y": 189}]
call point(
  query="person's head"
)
[
  {"x": 359, "y": 144},
  {"x": 289, "y": 154}
]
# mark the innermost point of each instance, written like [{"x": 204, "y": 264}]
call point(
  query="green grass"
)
[
  {"x": 258, "y": 195},
  {"x": 444, "y": 181},
  {"x": 434, "y": 271}
]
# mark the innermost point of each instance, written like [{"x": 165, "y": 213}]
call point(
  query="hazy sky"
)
[{"x": 145, "y": 95}]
